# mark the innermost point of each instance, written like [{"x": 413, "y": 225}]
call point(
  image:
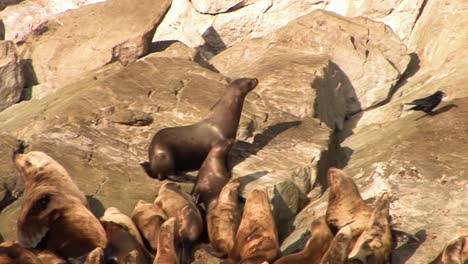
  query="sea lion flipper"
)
[{"x": 32, "y": 223}]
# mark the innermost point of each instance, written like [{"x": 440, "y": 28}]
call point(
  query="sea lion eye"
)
[{"x": 27, "y": 163}]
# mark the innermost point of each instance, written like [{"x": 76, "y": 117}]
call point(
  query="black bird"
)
[{"x": 426, "y": 104}]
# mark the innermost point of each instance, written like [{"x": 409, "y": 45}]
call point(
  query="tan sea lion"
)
[
  {"x": 339, "y": 248},
  {"x": 123, "y": 238},
  {"x": 315, "y": 248},
  {"x": 213, "y": 174},
  {"x": 456, "y": 252},
  {"x": 54, "y": 211},
  {"x": 189, "y": 222},
  {"x": 257, "y": 238},
  {"x": 149, "y": 217},
  {"x": 177, "y": 149},
  {"x": 166, "y": 252},
  {"x": 375, "y": 243},
  {"x": 345, "y": 204},
  {"x": 95, "y": 257},
  {"x": 223, "y": 220}
]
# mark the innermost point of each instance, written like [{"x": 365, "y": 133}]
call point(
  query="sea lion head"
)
[
  {"x": 340, "y": 184},
  {"x": 244, "y": 85},
  {"x": 32, "y": 164}
]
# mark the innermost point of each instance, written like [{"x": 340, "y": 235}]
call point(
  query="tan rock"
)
[
  {"x": 11, "y": 75},
  {"x": 61, "y": 50},
  {"x": 215, "y": 7}
]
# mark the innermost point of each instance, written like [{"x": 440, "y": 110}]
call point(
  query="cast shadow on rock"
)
[
  {"x": 95, "y": 205},
  {"x": 243, "y": 150},
  {"x": 441, "y": 110},
  {"x": 245, "y": 180},
  {"x": 335, "y": 155},
  {"x": 405, "y": 251}
]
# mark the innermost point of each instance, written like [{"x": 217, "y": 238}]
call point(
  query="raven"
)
[{"x": 426, "y": 104}]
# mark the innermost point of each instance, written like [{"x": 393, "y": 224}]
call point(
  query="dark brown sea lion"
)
[
  {"x": 456, "y": 252},
  {"x": 166, "y": 252},
  {"x": 213, "y": 174},
  {"x": 149, "y": 217},
  {"x": 339, "y": 248},
  {"x": 223, "y": 220},
  {"x": 13, "y": 253},
  {"x": 375, "y": 243},
  {"x": 179, "y": 149},
  {"x": 124, "y": 240},
  {"x": 315, "y": 247},
  {"x": 54, "y": 211},
  {"x": 345, "y": 204},
  {"x": 257, "y": 238},
  {"x": 189, "y": 222}
]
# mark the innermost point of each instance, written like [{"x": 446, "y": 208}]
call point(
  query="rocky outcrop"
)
[
  {"x": 367, "y": 57},
  {"x": 21, "y": 18},
  {"x": 60, "y": 50},
  {"x": 11, "y": 75}
]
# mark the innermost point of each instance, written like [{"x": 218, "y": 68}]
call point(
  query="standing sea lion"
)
[
  {"x": 213, "y": 174},
  {"x": 315, "y": 247},
  {"x": 184, "y": 148},
  {"x": 339, "y": 248},
  {"x": 148, "y": 218},
  {"x": 166, "y": 252},
  {"x": 54, "y": 211},
  {"x": 456, "y": 252},
  {"x": 375, "y": 243},
  {"x": 257, "y": 238},
  {"x": 345, "y": 204},
  {"x": 223, "y": 220},
  {"x": 124, "y": 240},
  {"x": 189, "y": 222}
]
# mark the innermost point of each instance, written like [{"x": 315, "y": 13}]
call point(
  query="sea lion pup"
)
[
  {"x": 213, "y": 174},
  {"x": 149, "y": 217},
  {"x": 54, "y": 211},
  {"x": 13, "y": 253},
  {"x": 339, "y": 248},
  {"x": 166, "y": 252},
  {"x": 223, "y": 220},
  {"x": 256, "y": 239},
  {"x": 189, "y": 222},
  {"x": 456, "y": 252},
  {"x": 345, "y": 204},
  {"x": 123, "y": 238},
  {"x": 375, "y": 243},
  {"x": 178, "y": 149},
  {"x": 315, "y": 248}
]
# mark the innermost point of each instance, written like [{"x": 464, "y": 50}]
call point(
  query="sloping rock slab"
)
[
  {"x": 85, "y": 39},
  {"x": 11, "y": 75},
  {"x": 368, "y": 53}
]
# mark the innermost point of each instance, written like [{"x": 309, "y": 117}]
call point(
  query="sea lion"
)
[
  {"x": 189, "y": 222},
  {"x": 123, "y": 238},
  {"x": 315, "y": 248},
  {"x": 166, "y": 252},
  {"x": 345, "y": 204},
  {"x": 256, "y": 239},
  {"x": 223, "y": 220},
  {"x": 13, "y": 253},
  {"x": 95, "y": 257},
  {"x": 337, "y": 253},
  {"x": 178, "y": 149},
  {"x": 375, "y": 243},
  {"x": 213, "y": 174},
  {"x": 149, "y": 217},
  {"x": 54, "y": 211},
  {"x": 456, "y": 252}
]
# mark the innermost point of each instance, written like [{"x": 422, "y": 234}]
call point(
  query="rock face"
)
[
  {"x": 11, "y": 80},
  {"x": 22, "y": 17},
  {"x": 60, "y": 50}
]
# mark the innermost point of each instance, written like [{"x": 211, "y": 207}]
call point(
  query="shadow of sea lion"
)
[{"x": 405, "y": 251}]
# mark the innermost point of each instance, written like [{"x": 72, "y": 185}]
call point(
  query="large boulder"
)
[
  {"x": 367, "y": 56},
  {"x": 11, "y": 75},
  {"x": 84, "y": 39}
]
